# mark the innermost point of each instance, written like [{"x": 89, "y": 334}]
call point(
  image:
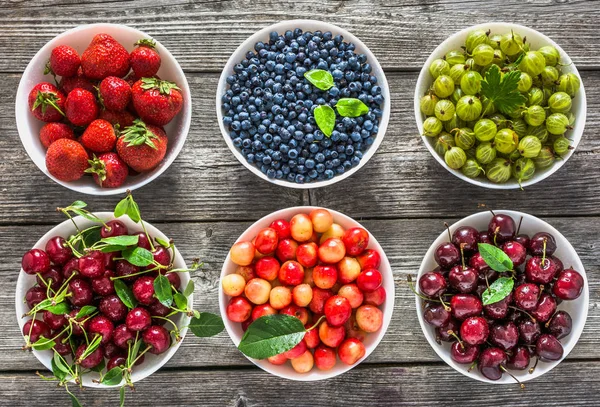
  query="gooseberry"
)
[
  {"x": 511, "y": 43},
  {"x": 551, "y": 55},
  {"x": 530, "y": 146},
  {"x": 432, "y": 126},
  {"x": 498, "y": 170},
  {"x": 439, "y": 67},
  {"x": 474, "y": 38},
  {"x": 443, "y": 143},
  {"x": 483, "y": 54},
  {"x": 557, "y": 123},
  {"x": 523, "y": 169},
  {"x": 444, "y": 110},
  {"x": 506, "y": 141},
  {"x": 464, "y": 138},
  {"x": 545, "y": 158},
  {"x": 535, "y": 115},
  {"x": 569, "y": 83},
  {"x": 524, "y": 83},
  {"x": 532, "y": 63},
  {"x": 471, "y": 168},
  {"x": 428, "y": 103},
  {"x": 470, "y": 83},
  {"x": 561, "y": 145},
  {"x": 468, "y": 108},
  {"x": 455, "y": 157},
  {"x": 443, "y": 86},
  {"x": 485, "y": 153},
  {"x": 455, "y": 57},
  {"x": 560, "y": 102},
  {"x": 485, "y": 130}
]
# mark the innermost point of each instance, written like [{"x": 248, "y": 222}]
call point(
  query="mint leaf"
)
[
  {"x": 206, "y": 324},
  {"x": 350, "y": 107},
  {"x": 125, "y": 294},
  {"x": 271, "y": 335},
  {"x": 495, "y": 257},
  {"x": 113, "y": 377},
  {"x": 320, "y": 78},
  {"x": 502, "y": 90},
  {"x": 498, "y": 290},
  {"x": 325, "y": 118},
  {"x": 162, "y": 290},
  {"x": 138, "y": 256}
]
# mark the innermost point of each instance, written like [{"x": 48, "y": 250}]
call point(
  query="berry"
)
[
  {"x": 99, "y": 137},
  {"x": 331, "y": 336},
  {"x": 101, "y": 325},
  {"x": 53, "y": 278},
  {"x": 46, "y": 102},
  {"x": 447, "y": 255},
  {"x": 291, "y": 273},
  {"x": 145, "y": 60},
  {"x": 337, "y": 310},
  {"x": 81, "y": 292},
  {"x": 66, "y": 160},
  {"x": 516, "y": 252},
  {"x": 57, "y": 250},
  {"x": 540, "y": 270},
  {"x": 355, "y": 241},
  {"x": 466, "y": 237},
  {"x": 80, "y": 107},
  {"x": 157, "y": 338},
  {"x": 113, "y": 308},
  {"x": 463, "y": 280},
  {"x": 325, "y": 357},
  {"x": 234, "y": 284},
  {"x": 325, "y": 276},
  {"x": 490, "y": 363},
  {"x": 369, "y": 280},
  {"x": 462, "y": 354},
  {"x": 436, "y": 315},
  {"x": 122, "y": 336},
  {"x": 92, "y": 360},
  {"x": 526, "y": 296},
  {"x": 67, "y": 84},
  {"x": 123, "y": 119},
  {"x": 113, "y": 228},
  {"x": 529, "y": 331},
  {"x": 116, "y": 361},
  {"x": 35, "y": 261},
  {"x": 156, "y": 101},
  {"x": 568, "y": 285},
  {"x": 369, "y": 259},
  {"x": 548, "y": 348},
  {"x": 432, "y": 284},
  {"x": 282, "y": 227},
  {"x": 79, "y": 324},
  {"x": 50, "y": 132},
  {"x": 519, "y": 359},
  {"x": 502, "y": 228},
  {"x": 560, "y": 325},
  {"x": 125, "y": 268},
  {"x": 545, "y": 308},
  {"x": 35, "y": 329},
  {"x": 92, "y": 264},
  {"x": 138, "y": 319},
  {"x": 536, "y": 244},
  {"x": 239, "y": 309},
  {"x": 54, "y": 321},
  {"x": 142, "y": 146},
  {"x": 474, "y": 330},
  {"x": 64, "y": 61},
  {"x": 351, "y": 351},
  {"x": 104, "y": 57},
  {"x": 266, "y": 241},
  {"x": 296, "y": 351},
  {"x": 104, "y": 285},
  {"x": 465, "y": 305},
  {"x": 369, "y": 318},
  {"x": 34, "y": 296},
  {"x": 115, "y": 94},
  {"x": 303, "y": 363},
  {"x": 504, "y": 336}
]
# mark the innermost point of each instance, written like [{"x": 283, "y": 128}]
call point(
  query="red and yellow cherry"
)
[
  {"x": 349, "y": 269},
  {"x": 331, "y": 336},
  {"x": 369, "y": 318},
  {"x": 332, "y": 250},
  {"x": 277, "y": 359},
  {"x": 312, "y": 338},
  {"x": 301, "y": 227},
  {"x": 282, "y": 227},
  {"x": 302, "y": 295},
  {"x": 325, "y": 276},
  {"x": 286, "y": 250},
  {"x": 369, "y": 259},
  {"x": 258, "y": 291},
  {"x": 351, "y": 351},
  {"x": 296, "y": 350},
  {"x": 239, "y": 309},
  {"x": 335, "y": 231},
  {"x": 245, "y": 271},
  {"x": 242, "y": 253},
  {"x": 303, "y": 363},
  {"x": 267, "y": 268},
  {"x": 291, "y": 273},
  {"x": 262, "y": 310},
  {"x": 376, "y": 297},
  {"x": 369, "y": 280},
  {"x": 352, "y": 293},
  {"x": 280, "y": 297},
  {"x": 306, "y": 254},
  {"x": 355, "y": 240},
  {"x": 353, "y": 330},
  {"x": 295, "y": 311},
  {"x": 233, "y": 284},
  {"x": 337, "y": 310},
  {"x": 317, "y": 304},
  {"x": 321, "y": 220},
  {"x": 325, "y": 358},
  {"x": 266, "y": 241}
]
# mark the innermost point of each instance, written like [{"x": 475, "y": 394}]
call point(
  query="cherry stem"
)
[
  {"x": 513, "y": 376},
  {"x": 462, "y": 255},
  {"x": 531, "y": 370},
  {"x": 448, "y": 229},
  {"x": 316, "y": 324},
  {"x": 412, "y": 288},
  {"x": 493, "y": 214},
  {"x": 446, "y": 306},
  {"x": 544, "y": 253},
  {"x": 524, "y": 312},
  {"x": 452, "y": 333},
  {"x": 519, "y": 227},
  {"x": 472, "y": 366}
]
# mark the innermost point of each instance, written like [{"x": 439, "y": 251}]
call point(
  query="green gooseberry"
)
[
  {"x": 535, "y": 96},
  {"x": 551, "y": 55},
  {"x": 569, "y": 83},
  {"x": 549, "y": 75},
  {"x": 428, "y": 103},
  {"x": 471, "y": 65},
  {"x": 535, "y": 115},
  {"x": 499, "y": 58},
  {"x": 464, "y": 138},
  {"x": 470, "y": 83},
  {"x": 532, "y": 63},
  {"x": 468, "y": 108},
  {"x": 470, "y": 153},
  {"x": 506, "y": 141},
  {"x": 471, "y": 168},
  {"x": 444, "y": 110},
  {"x": 523, "y": 169},
  {"x": 488, "y": 106},
  {"x": 485, "y": 153},
  {"x": 432, "y": 126},
  {"x": 499, "y": 120},
  {"x": 455, "y": 57},
  {"x": 455, "y": 158},
  {"x": 561, "y": 146},
  {"x": 557, "y": 123},
  {"x": 560, "y": 102},
  {"x": 498, "y": 171},
  {"x": 511, "y": 43},
  {"x": 494, "y": 40},
  {"x": 474, "y": 38},
  {"x": 524, "y": 83},
  {"x": 443, "y": 86},
  {"x": 547, "y": 93},
  {"x": 485, "y": 130},
  {"x": 519, "y": 126},
  {"x": 515, "y": 113},
  {"x": 439, "y": 67},
  {"x": 457, "y": 71},
  {"x": 538, "y": 131},
  {"x": 529, "y": 146},
  {"x": 455, "y": 122},
  {"x": 457, "y": 94},
  {"x": 545, "y": 158},
  {"x": 483, "y": 54},
  {"x": 443, "y": 143}
]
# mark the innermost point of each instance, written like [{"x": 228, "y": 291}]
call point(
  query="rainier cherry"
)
[
  {"x": 301, "y": 227},
  {"x": 262, "y": 310},
  {"x": 238, "y": 309},
  {"x": 291, "y": 273},
  {"x": 295, "y": 311},
  {"x": 351, "y": 351},
  {"x": 331, "y": 336},
  {"x": 325, "y": 358},
  {"x": 242, "y": 253},
  {"x": 282, "y": 227},
  {"x": 280, "y": 297},
  {"x": 296, "y": 351},
  {"x": 337, "y": 310},
  {"x": 302, "y": 295},
  {"x": 286, "y": 250},
  {"x": 369, "y": 318},
  {"x": 355, "y": 240},
  {"x": 369, "y": 259},
  {"x": 321, "y": 220},
  {"x": 306, "y": 254},
  {"x": 349, "y": 270},
  {"x": 311, "y": 337},
  {"x": 257, "y": 291},
  {"x": 352, "y": 293},
  {"x": 234, "y": 284},
  {"x": 303, "y": 363},
  {"x": 277, "y": 359},
  {"x": 376, "y": 297},
  {"x": 317, "y": 304},
  {"x": 266, "y": 241},
  {"x": 332, "y": 251},
  {"x": 325, "y": 276},
  {"x": 266, "y": 268},
  {"x": 335, "y": 231}
]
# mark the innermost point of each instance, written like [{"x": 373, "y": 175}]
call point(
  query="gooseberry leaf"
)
[
  {"x": 138, "y": 256},
  {"x": 495, "y": 257},
  {"x": 189, "y": 289},
  {"x": 43, "y": 344},
  {"x": 502, "y": 90},
  {"x": 85, "y": 311},
  {"x": 320, "y": 78},
  {"x": 325, "y": 119},
  {"x": 113, "y": 377},
  {"x": 162, "y": 290},
  {"x": 125, "y": 294},
  {"x": 124, "y": 240},
  {"x": 206, "y": 324},
  {"x": 498, "y": 290},
  {"x": 351, "y": 107},
  {"x": 59, "y": 309},
  {"x": 271, "y": 335}
]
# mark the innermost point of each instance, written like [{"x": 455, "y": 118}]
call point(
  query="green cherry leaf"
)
[
  {"x": 113, "y": 377},
  {"x": 180, "y": 301},
  {"x": 325, "y": 118},
  {"x": 189, "y": 289},
  {"x": 43, "y": 344},
  {"x": 206, "y": 324},
  {"x": 271, "y": 335},
  {"x": 138, "y": 256},
  {"x": 498, "y": 290},
  {"x": 78, "y": 204},
  {"x": 124, "y": 240},
  {"x": 320, "y": 78},
  {"x": 85, "y": 311},
  {"x": 125, "y": 294},
  {"x": 58, "y": 373},
  {"x": 59, "y": 309},
  {"x": 350, "y": 107},
  {"x": 162, "y": 242},
  {"x": 122, "y": 397},
  {"x": 112, "y": 249},
  {"x": 163, "y": 291},
  {"x": 59, "y": 363},
  {"x": 495, "y": 257}
]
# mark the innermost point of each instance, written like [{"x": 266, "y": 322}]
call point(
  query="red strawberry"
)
[
  {"x": 105, "y": 57},
  {"x": 99, "y": 137},
  {"x": 156, "y": 101},
  {"x": 74, "y": 82},
  {"x": 81, "y": 107},
  {"x": 46, "y": 102},
  {"x": 114, "y": 93},
  {"x": 131, "y": 78},
  {"x": 123, "y": 119},
  {"x": 109, "y": 170},
  {"x": 142, "y": 146},
  {"x": 64, "y": 61},
  {"x": 51, "y": 132},
  {"x": 145, "y": 60},
  {"x": 66, "y": 159}
]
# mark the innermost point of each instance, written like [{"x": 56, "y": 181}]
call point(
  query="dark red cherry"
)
[
  {"x": 516, "y": 252},
  {"x": 109, "y": 260},
  {"x": 546, "y": 307},
  {"x": 536, "y": 244},
  {"x": 81, "y": 292},
  {"x": 158, "y": 338},
  {"x": 113, "y": 308},
  {"x": 465, "y": 305},
  {"x": 568, "y": 285},
  {"x": 499, "y": 309},
  {"x": 161, "y": 255},
  {"x": 466, "y": 237},
  {"x": 138, "y": 319},
  {"x": 504, "y": 336},
  {"x": 174, "y": 279},
  {"x": 70, "y": 268},
  {"x": 560, "y": 325},
  {"x": 125, "y": 268},
  {"x": 442, "y": 332},
  {"x": 520, "y": 358},
  {"x": 116, "y": 361},
  {"x": 35, "y": 261},
  {"x": 143, "y": 241},
  {"x": 143, "y": 290},
  {"x": 501, "y": 228},
  {"x": 490, "y": 362},
  {"x": 34, "y": 296},
  {"x": 35, "y": 329},
  {"x": 523, "y": 239},
  {"x": 463, "y": 280},
  {"x": 104, "y": 285},
  {"x": 90, "y": 361},
  {"x": 529, "y": 331},
  {"x": 159, "y": 310},
  {"x": 53, "y": 278},
  {"x": 54, "y": 321},
  {"x": 123, "y": 336},
  {"x": 436, "y": 315},
  {"x": 111, "y": 350},
  {"x": 101, "y": 325},
  {"x": 63, "y": 348},
  {"x": 484, "y": 237},
  {"x": 540, "y": 270},
  {"x": 463, "y": 353},
  {"x": 548, "y": 347},
  {"x": 113, "y": 228},
  {"x": 488, "y": 276},
  {"x": 526, "y": 296},
  {"x": 476, "y": 261},
  {"x": 92, "y": 264},
  {"x": 58, "y": 251},
  {"x": 474, "y": 331},
  {"x": 447, "y": 255},
  {"x": 432, "y": 284},
  {"x": 79, "y": 324}
]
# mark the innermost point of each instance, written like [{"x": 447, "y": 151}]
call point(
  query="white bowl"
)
[
  {"x": 79, "y": 38},
  {"x": 578, "y": 309},
  {"x": 537, "y": 40},
  {"x": 305, "y": 25},
  {"x": 286, "y": 371},
  {"x": 151, "y": 362}
]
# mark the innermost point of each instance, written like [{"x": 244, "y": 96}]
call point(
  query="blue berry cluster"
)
[{"x": 268, "y": 106}]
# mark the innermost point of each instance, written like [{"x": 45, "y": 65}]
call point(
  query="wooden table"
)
[{"x": 206, "y": 199}]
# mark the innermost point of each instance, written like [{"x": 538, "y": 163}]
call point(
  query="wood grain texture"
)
[
  {"x": 404, "y": 241},
  {"x": 203, "y": 34},
  {"x": 571, "y": 383}
]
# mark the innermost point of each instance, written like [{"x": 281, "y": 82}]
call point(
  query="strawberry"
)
[
  {"x": 109, "y": 170},
  {"x": 131, "y": 78},
  {"x": 66, "y": 160},
  {"x": 81, "y": 107},
  {"x": 99, "y": 137},
  {"x": 156, "y": 101},
  {"x": 114, "y": 93},
  {"x": 74, "y": 82},
  {"x": 122, "y": 119},
  {"x": 142, "y": 146},
  {"x": 51, "y": 132},
  {"x": 145, "y": 60},
  {"x": 64, "y": 61},
  {"x": 46, "y": 102},
  {"x": 104, "y": 57}
]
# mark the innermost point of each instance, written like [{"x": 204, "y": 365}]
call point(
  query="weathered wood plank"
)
[
  {"x": 571, "y": 384},
  {"x": 202, "y": 35},
  {"x": 208, "y": 183},
  {"x": 404, "y": 241}
]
